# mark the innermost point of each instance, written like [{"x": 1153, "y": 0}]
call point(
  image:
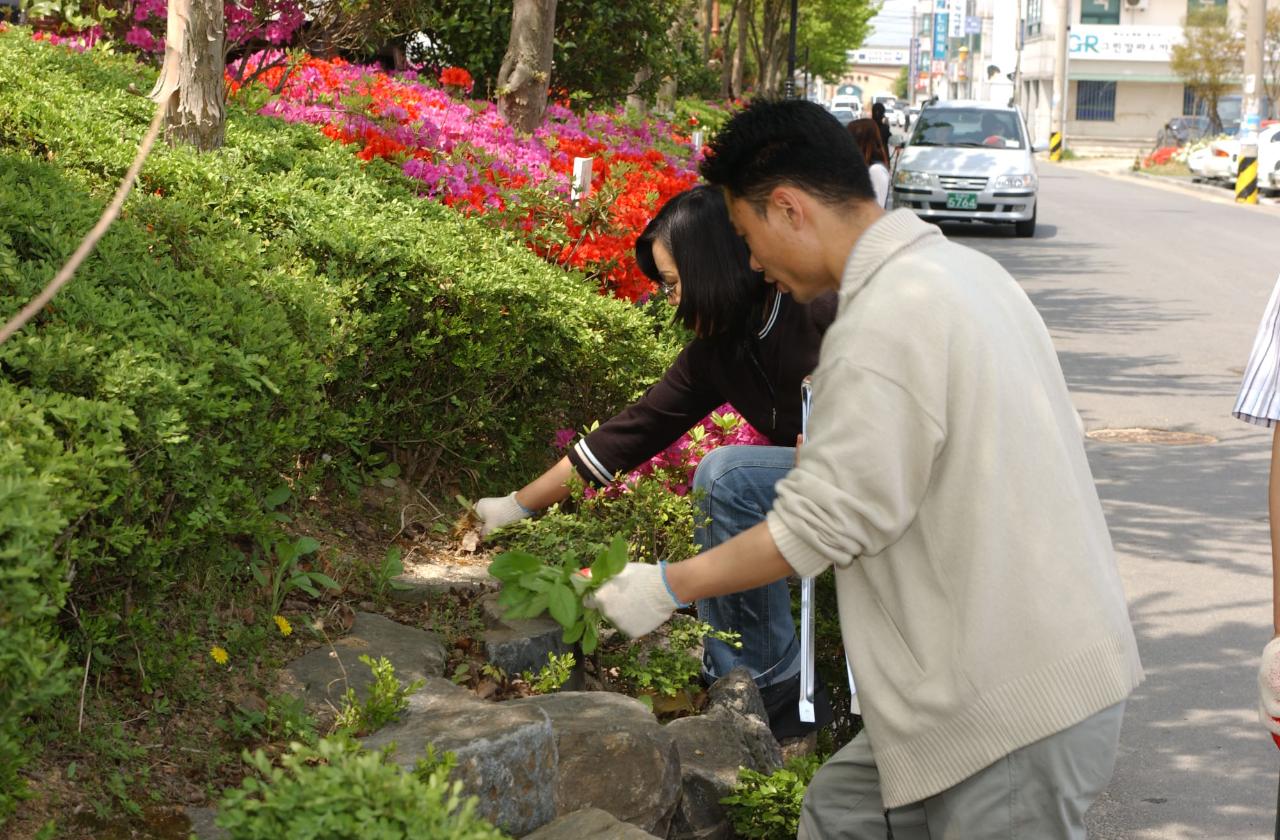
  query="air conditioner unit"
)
[{"x": 1136, "y": 5}]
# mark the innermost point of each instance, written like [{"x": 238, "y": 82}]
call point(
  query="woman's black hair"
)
[{"x": 720, "y": 296}]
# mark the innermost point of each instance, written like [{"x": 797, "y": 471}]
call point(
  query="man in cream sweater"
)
[{"x": 945, "y": 480}]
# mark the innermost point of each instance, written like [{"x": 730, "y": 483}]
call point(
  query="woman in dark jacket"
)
[{"x": 753, "y": 345}]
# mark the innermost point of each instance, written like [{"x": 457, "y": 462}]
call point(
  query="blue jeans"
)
[{"x": 738, "y": 489}]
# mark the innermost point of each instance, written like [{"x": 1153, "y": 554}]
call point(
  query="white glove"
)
[
  {"x": 498, "y": 512},
  {"x": 1269, "y": 686},
  {"x": 637, "y": 600}
]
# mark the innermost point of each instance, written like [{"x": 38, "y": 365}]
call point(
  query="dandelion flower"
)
[
  {"x": 283, "y": 623},
  {"x": 219, "y": 655}
]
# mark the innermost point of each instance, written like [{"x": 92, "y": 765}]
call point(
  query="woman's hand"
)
[{"x": 497, "y": 512}]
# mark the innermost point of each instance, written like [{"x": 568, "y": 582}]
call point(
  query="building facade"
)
[{"x": 1121, "y": 89}]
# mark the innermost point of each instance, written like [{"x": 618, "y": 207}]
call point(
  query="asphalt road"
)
[{"x": 1153, "y": 296}]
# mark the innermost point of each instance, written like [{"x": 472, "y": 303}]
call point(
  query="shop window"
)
[
  {"x": 1194, "y": 5},
  {"x": 1096, "y": 101},
  {"x": 1034, "y": 8},
  {"x": 1102, "y": 11},
  {"x": 1191, "y": 104}
]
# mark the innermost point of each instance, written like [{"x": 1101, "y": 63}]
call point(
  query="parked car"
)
[
  {"x": 1219, "y": 160},
  {"x": 1182, "y": 130},
  {"x": 1269, "y": 157},
  {"x": 846, "y": 101},
  {"x": 969, "y": 161},
  {"x": 844, "y": 115},
  {"x": 1215, "y": 160}
]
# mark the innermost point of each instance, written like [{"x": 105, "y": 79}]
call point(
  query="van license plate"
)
[{"x": 962, "y": 201}]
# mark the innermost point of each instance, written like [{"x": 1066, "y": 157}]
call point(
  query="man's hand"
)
[
  {"x": 636, "y": 600},
  {"x": 1269, "y": 688},
  {"x": 499, "y": 511}
]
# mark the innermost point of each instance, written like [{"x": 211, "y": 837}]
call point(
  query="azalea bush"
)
[{"x": 463, "y": 154}]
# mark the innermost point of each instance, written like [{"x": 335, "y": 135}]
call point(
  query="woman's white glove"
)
[
  {"x": 1269, "y": 686},
  {"x": 498, "y": 512},
  {"x": 637, "y": 600}
]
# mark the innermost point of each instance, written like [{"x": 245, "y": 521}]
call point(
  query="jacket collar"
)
[
  {"x": 771, "y": 308},
  {"x": 891, "y": 234}
]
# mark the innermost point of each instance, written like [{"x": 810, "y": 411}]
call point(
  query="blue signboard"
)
[{"x": 941, "y": 21}]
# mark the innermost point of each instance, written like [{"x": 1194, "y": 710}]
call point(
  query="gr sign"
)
[{"x": 1123, "y": 43}]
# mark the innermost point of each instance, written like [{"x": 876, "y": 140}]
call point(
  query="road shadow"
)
[
  {"x": 1201, "y": 505},
  {"x": 1122, "y": 375},
  {"x": 1193, "y": 715}
]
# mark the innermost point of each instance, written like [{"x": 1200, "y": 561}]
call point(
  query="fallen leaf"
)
[
  {"x": 470, "y": 541},
  {"x": 486, "y": 689}
]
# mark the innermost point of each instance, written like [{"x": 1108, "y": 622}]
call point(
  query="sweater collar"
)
[{"x": 892, "y": 233}]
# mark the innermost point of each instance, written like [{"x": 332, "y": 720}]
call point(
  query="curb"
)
[{"x": 1223, "y": 191}]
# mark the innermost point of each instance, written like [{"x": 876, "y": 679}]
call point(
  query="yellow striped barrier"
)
[
  {"x": 1055, "y": 146},
  {"x": 1247, "y": 179}
]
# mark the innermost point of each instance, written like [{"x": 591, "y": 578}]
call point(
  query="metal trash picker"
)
[{"x": 808, "y": 681}]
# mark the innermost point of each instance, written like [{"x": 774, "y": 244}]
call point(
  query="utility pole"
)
[
  {"x": 789, "y": 89},
  {"x": 1251, "y": 110},
  {"x": 1058, "y": 116}
]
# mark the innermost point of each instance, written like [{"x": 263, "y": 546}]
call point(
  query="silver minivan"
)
[{"x": 969, "y": 161}]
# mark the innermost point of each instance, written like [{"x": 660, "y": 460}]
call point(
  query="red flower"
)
[{"x": 456, "y": 77}]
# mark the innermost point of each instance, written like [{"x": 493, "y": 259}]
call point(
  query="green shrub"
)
[
  {"x": 656, "y": 523},
  {"x": 387, "y": 698},
  {"x": 252, "y": 309},
  {"x": 664, "y": 663},
  {"x": 336, "y": 790},
  {"x": 768, "y": 806}
]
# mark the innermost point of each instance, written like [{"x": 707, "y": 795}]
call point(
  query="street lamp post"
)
[{"x": 789, "y": 87}]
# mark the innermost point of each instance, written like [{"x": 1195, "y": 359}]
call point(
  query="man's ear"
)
[{"x": 789, "y": 204}]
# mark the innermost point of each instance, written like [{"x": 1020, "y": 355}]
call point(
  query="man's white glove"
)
[
  {"x": 1269, "y": 686},
  {"x": 498, "y": 512},
  {"x": 637, "y": 600}
]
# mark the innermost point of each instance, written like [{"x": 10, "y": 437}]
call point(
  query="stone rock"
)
[
  {"x": 614, "y": 755},
  {"x": 738, "y": 692},
  {"x": 506, "y": 753},
  {"x": 518, "y": 645},
  {"x": 589, "y": 824},
  {"x": 712, "y": 747},
  {"x": 202, "y": 824},
  {"x": 425, "y": 580},
  {"x": 319, "y": 675}
]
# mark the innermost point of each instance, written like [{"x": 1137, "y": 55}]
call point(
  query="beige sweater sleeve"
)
[{"x": 862, "y": 473}]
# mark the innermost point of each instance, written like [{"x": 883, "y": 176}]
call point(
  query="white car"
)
[
  {"x": 843, "y": 102},
  {"x": 1219, "y": 160},
  {"x": 1214, "y": 161},
  {"x": 969, "y": 161}
]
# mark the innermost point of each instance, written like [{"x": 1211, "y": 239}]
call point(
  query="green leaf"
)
[
  {"x": 324, "y": 580},
  {"x": 513, "y": 564},
  {"x": 590, "y": 635},
  {"x": 610, "y": 562},
  {"x": 277, "y": 497},
  {"x": 574, "y": 633},
  {"x": 305, "y": 545},
  {"x": 563, "y": 605}
]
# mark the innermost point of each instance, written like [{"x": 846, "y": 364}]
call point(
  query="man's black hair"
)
[
  {"x": 790, "y": 141},
  {"x": 720, "y": 296},
  {"x": 877, "y": 111}
]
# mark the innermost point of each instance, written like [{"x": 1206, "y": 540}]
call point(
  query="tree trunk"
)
[
  {"x": 526, "y": 68},
  {"x": 706, "y": 30},
  {"x": 635, "y": 99},
  {"x": 745, "y": 11},
  {"x": 193, "y": 69}
]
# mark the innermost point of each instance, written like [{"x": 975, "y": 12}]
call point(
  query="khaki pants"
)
[{"x": 1039, "y": 792}]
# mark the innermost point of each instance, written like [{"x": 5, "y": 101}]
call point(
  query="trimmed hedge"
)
[{"x": 253, "y": 308}]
